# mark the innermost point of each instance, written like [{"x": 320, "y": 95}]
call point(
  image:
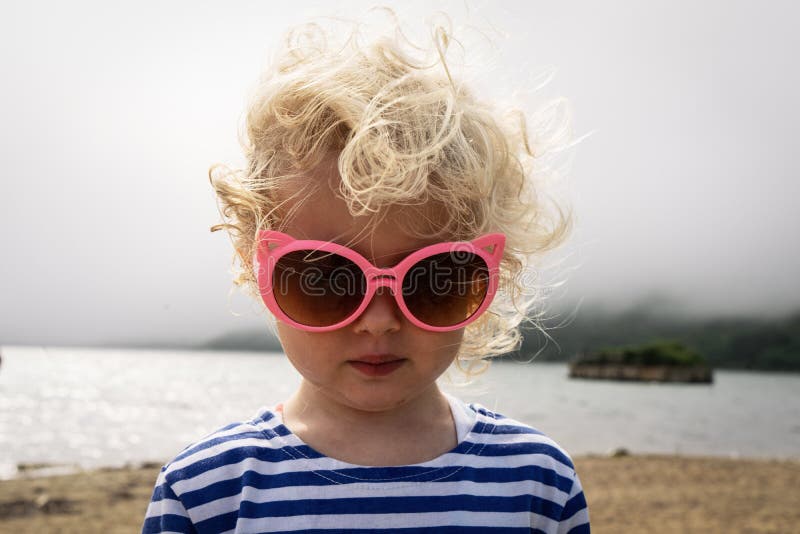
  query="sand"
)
[
  {"x": 638, "y": 494},
  {"x": 676, "y": 494}
]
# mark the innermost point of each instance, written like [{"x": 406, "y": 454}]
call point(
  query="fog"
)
[{"x": 684, "y": 183}]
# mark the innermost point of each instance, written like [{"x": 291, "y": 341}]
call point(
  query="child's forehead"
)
[{"x": 311, "y": 208}]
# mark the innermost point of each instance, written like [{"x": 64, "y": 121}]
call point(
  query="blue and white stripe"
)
[{"x": 257, "y": 476}]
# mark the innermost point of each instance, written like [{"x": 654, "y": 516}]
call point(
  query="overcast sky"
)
[{"x": 112, "y": 114}]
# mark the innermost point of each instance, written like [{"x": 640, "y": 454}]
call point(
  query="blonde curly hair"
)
[{"x": 406, "y": 134}]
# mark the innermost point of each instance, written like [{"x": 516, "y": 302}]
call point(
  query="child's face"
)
[{"x": 343, "y": 365}]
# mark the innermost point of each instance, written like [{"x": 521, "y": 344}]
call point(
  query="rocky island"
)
[{"x": 658, "y": 361}]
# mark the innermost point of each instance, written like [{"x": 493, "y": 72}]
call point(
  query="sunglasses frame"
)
[{"x": 273, "y": 245}]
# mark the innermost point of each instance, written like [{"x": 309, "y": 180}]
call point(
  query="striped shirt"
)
[{"x": 257, "y": 476}]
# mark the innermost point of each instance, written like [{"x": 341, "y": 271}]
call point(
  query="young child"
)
[{"x": 384, "y": 219}]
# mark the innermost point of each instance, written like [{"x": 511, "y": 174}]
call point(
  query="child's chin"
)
[{"x": 375, "y": 402}]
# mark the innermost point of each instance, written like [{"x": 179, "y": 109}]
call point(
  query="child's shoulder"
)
[
  {"x": 231, "y": 447},
  {"x": 507, "y": 436}
]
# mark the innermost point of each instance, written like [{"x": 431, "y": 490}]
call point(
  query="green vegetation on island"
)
[
  {"x": 662, "y": 352},
  {"x": 656, "y": 361}
]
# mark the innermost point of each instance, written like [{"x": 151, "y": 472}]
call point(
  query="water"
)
[{"x": 97, "y": 407}]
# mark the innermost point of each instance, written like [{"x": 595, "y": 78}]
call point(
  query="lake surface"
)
[{"x": 110, "y": 406}]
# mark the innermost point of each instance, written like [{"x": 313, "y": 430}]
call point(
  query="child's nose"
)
[{"x": 382, "y": 316}]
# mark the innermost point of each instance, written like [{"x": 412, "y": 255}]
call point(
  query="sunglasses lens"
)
[
  {"x": 446, "y": 289},
  {"x": 317, "y": 288}
]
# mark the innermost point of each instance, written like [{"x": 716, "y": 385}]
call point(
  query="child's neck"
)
[{"x": 413, "y": 432}]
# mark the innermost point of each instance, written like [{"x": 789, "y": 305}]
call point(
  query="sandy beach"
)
[{"x": 626, "y": 494}]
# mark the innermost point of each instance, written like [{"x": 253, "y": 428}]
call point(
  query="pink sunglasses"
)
[{"x": 320, "y": 286}]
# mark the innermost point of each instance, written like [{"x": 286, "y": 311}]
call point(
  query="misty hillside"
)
[{"x": 743, "y": 343}]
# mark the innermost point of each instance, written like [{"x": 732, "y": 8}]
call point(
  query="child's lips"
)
[{"x": 377, "y": 364}]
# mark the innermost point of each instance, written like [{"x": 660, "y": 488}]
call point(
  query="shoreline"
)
[
  {"x": 38, "y": 470},
  {"x": 626, "y": 493}
]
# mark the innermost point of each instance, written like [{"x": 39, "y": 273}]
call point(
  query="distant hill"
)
[
  {"x": 743, "y": 343},
  {"x": 254, "y": 340}
]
